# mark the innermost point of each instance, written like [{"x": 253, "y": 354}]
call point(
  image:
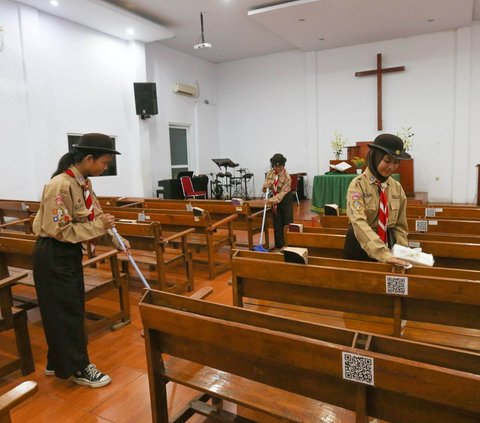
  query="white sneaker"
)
[{"x": 90, "y": 376}]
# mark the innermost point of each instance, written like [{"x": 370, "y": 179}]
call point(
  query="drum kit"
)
[{"x": 228, "y": 185}]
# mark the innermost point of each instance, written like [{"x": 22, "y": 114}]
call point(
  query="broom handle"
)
[
  {"x": 124, "y": 248},
  {"x": 263, "y": 219}
]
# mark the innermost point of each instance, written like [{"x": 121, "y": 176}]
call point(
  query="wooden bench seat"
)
[
  {"x": 443, "y": 212},
  {"x": 360, "y": 294},
  {"x": 445, "y": 252},
  {"x": 430, "y": 225},
  {"x": 14, "y": 320},
  {"x": 291, "y": 370},
  {"x": 249, "y": 219},
  {"x": 207, "y": 236},
  {"x": 151, "y": 247},
  {"x": 14, "y": 397},
  {"x": 101, "y": 274}
]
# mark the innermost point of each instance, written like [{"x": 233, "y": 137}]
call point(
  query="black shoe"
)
[
  {"x": 92, "y": 377},
  {"x": 49, "y": 370}
]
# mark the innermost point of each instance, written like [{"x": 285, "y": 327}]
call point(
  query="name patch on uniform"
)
[{"x": 356, "y": 195}]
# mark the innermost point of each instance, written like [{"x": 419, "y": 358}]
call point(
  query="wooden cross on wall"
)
[{"x": 379, "y": 72}]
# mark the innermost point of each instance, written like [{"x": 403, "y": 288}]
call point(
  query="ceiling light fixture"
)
[
  {"x": 130, "y": 31},
  {"x": 203, "y": 44},
  {"x": 54, "y": 2}
]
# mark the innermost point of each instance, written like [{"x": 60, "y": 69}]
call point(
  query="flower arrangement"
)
[
  {"x": 359, "y": 162},
  {"x": 406, "y": 135},
  {"x": 338, "y": 143}
]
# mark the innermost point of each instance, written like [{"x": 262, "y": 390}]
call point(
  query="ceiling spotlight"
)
[
  {"x": 203, "y": 44},
  {"x": 130, "y": 31},
  {"x": 54, "y": 2}
]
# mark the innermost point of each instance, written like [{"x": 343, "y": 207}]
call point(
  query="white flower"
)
[
  {"x": 338, "y": 143},
  {"x": 406, "y": 135}
]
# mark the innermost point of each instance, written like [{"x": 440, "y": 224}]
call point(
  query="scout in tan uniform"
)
[
  {"x": 376, "y": 205},
  {"x": 69, "y": 215},
  {"x": 278, "y": 181}
]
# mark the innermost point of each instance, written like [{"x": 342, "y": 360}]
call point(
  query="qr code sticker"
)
[
  {"x": 430, "y": 212},
  {"x": 421, "y": 225},
  {"x": 397, "y": 285},
  {"x": 358, "y": 368}
]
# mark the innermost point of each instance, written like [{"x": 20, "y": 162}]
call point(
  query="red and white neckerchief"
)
[
  {"x": 275, "y": 189},
  {"x": 382, "y": 212},
  {"x": 86, "y": 194}
]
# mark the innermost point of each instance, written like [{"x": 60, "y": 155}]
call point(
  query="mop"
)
[
  {"x": 124, "y": 248},
  {"x": 260, "y": 247}
]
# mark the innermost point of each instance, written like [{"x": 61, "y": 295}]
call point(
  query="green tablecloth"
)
[{"x": 332, "y": 189}]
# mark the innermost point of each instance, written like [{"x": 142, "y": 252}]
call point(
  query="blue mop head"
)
[{"x": 260, "y": 249}]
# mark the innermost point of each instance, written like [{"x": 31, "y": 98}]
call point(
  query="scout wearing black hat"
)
[
  {"x": 391, "y": 145},
  {"x": 96, "y": 142},
  {"x": 278, "y": 160}
]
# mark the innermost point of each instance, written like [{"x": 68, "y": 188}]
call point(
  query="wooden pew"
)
[
  {"x": 446, "y": 254},
  {"x": 14, "y": 397},
  {"x": 379, "y": 299},
  {"x": 150, "y": 247},
  {"x": 17, "y": 253},
  {"x": 208, "y": 234},
  {"x": 287, "y": 369},
  {"x": 443, "y": 212},
  {"x": 16, "y": 320},
  {"x": 248, "y": 219},
  {"x": 451, "y": 226},
  {"x": 14, "y": 214}
]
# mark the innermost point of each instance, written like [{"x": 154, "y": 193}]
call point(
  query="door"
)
[{"x": 179, "y": 149}]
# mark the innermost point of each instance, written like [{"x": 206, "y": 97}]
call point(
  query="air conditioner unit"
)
[{"x": 189, "y": 90}]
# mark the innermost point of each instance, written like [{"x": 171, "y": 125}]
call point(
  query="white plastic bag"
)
[{"x": 413, "y": 255}]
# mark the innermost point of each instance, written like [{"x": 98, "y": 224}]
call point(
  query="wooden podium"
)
[{"x": 405, "y": 168}]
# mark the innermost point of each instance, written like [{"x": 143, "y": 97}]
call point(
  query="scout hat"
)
[
  {"x": 278, "y": 160},
  {"x": 96, "y": 142},
  {"x": 392, "y": 145}
]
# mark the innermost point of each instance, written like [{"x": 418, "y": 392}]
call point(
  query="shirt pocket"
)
[
  {"x": 394, "y": 208},
  {"x": 371, "y": 206}
]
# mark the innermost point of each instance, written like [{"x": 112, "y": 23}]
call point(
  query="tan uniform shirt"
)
[
  {"x": 63, "y": 214},
  {"x": 362, "y": 210},
  {"x": 284, "y": 185}
]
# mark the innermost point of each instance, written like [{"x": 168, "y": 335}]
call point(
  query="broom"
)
[{"x": 260, "y": 247}]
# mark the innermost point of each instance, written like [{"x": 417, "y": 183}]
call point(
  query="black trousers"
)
[
  {"x": 58, "y": 275},
  {"x": 352, "y": 249},
  {"x": 283, "y": 216}
]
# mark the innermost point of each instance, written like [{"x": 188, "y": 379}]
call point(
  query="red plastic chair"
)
[
  {"x": 294, "y": 186},
  {"x": 187, "y": 188}
]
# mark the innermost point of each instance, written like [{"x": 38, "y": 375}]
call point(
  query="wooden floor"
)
[{"x": 119, "y": 353}]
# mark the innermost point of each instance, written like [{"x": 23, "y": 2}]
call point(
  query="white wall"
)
[
  {"x": 421, "y": 97},
  {"x": 266, "y": 102},
  {"x": 57, "y": 77},
  {"x": 262, "y": 111},
  {"x": 166, "y": 66}
]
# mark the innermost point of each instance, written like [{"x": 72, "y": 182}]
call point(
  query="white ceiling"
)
[{"x": 246, "y": 28}]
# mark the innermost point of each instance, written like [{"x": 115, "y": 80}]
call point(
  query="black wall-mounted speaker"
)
[{"x": 145, "y": 98}]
